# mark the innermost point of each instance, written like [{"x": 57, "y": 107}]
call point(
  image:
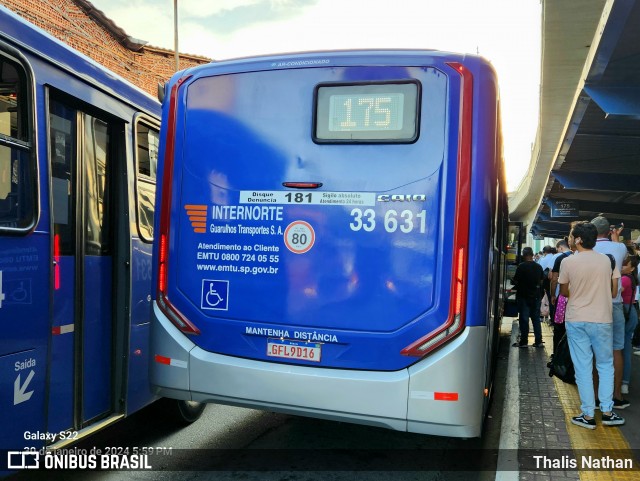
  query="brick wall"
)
[{"x": 69, "y": 22}]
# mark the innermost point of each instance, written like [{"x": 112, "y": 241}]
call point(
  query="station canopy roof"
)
[{"x": 586, "y": 158}]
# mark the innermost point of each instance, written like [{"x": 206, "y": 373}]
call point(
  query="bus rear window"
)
[
  {"x": 17, "y": 171},
  {"x": 372, "y": 112}
]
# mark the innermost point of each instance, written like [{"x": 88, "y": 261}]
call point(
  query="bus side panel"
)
[
  {"x": 62, "y": 345},
  {"x": 483, "y": 224},
  {"x": 138, "y": 389},
  {"x": 22, "y": 395},
  {"x": 98, "y": 344},
  {"x": 483, "y": 189},
  {"x": 24, "y": 315}
]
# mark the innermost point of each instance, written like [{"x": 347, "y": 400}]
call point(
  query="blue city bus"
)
[
  {"x": 78, "y": 157},
  {"x": 331, "y": 237}
]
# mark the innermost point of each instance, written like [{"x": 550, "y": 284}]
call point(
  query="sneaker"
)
[
  {"x": 584, "y": 422},
  {"x": 621, "y": 403},
  {"x": 636, "y": 348},
  {"x": 636, "y": 353},
  {"x": 625, "y": 389},
  {"x": 517, "y": 344},
  {"x": 612, "y": 420},
  {"x": 539, "y": 344}
]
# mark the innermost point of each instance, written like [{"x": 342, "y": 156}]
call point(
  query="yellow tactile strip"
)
[{"x": 603, "y": 438}]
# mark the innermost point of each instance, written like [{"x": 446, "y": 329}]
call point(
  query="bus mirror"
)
[{"x": 162, "y": 88}]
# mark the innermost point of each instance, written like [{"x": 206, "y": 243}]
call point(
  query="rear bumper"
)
[{"x": 401, "y": 400}]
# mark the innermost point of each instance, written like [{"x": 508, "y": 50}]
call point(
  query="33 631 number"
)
[{"x": 405, "y": 221}]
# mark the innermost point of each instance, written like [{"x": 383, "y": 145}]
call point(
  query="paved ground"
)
[{"x": 543, "y": 407}]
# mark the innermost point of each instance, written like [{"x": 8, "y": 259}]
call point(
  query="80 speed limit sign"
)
[{"x": 299, "y": 237}]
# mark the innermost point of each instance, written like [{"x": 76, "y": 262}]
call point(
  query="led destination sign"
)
[{"x": 385, "y": 112}]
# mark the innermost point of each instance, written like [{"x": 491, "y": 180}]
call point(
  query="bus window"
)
[
  {"x": 147, "y": 152},
  {"x": 96, "y": 148},
  {"x": 17, "y": 179},
  {"x": 62, "y": 141}
]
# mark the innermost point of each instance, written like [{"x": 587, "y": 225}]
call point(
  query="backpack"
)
[
  {"x": 613, "y": 261},
  {"x": 561, "y": 364}
]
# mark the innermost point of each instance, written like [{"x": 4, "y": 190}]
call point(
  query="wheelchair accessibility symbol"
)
[{"x": 215, "y": 295}]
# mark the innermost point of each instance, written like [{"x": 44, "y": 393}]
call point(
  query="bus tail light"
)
[
  {"x": 302, "y": 185},
  {"x": 56, "y": 258},
  {"x": 456, "y": 319},
  {"x": 175, "y": 316}
]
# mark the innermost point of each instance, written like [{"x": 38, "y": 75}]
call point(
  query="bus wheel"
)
[
  {"x": 190, "y": 411},
  {"x": 182, "y": 413}
]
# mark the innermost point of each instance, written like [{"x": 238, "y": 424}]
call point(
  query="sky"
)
[{"x": 506, "y": 32}]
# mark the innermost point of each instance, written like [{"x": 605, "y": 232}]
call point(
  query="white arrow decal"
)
[{"x": 19, "y": 394}]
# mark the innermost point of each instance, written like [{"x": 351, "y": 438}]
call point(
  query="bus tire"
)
[
  {"x": 189, "y": 411},
  {"x": 182, "y": 413}
]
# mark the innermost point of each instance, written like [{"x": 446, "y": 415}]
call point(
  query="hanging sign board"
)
[{"x": 564, "y": 208}]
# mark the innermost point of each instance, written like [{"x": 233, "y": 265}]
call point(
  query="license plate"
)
[{"x": 287, "y": 349}]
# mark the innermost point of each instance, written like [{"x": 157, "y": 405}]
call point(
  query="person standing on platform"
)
[
  {"x": 607, "y": 242},
  {"x": 563, "y": 251},
  {"x": 629, "y": 287},
  {"x": 588, "y": 282},
  {"x": 527, "y": 281},
  {"x": 546, "y": 262}
]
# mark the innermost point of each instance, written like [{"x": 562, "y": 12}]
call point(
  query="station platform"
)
[{"x": 537, "y": 423}]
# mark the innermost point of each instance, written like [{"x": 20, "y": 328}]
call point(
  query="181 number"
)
[{"x": 298, "y": 197}]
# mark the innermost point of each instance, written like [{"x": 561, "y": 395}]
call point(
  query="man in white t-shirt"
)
[
  {"x": 619, "y": 251},
  {"x": 547, "y": 258},
  {"x": 588, "y": 282}
]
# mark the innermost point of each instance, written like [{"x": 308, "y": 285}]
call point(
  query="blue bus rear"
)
[{"x": 318, "y": 249}]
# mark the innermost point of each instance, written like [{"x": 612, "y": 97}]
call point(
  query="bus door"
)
[
  {"x": 81, "y": 377},
  {"x": 514, "y": 250}
]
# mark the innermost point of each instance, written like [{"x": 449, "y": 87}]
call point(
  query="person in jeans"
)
[
  {"x": 587, "y": 280},
  {"x": 629, "y": 287},
  {"x": 563, "y": 251},
  {"x": 528, "y": 281},
  {"x": 607, "y": 242}
]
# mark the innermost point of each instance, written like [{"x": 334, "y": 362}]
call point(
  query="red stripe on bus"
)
[
  {"x": 163, "y": 360},
  {"x": 445, "y": 396}
]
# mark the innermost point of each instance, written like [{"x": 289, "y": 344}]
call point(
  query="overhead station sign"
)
[{"x": 564, "y": 208}]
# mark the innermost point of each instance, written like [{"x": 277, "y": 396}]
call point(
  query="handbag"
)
[
  {"x": 544, "y": 306},
  {"x": 561, "y": 309}
]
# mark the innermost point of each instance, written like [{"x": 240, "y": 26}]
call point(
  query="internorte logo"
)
[{"x": 198, "y": 217}]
